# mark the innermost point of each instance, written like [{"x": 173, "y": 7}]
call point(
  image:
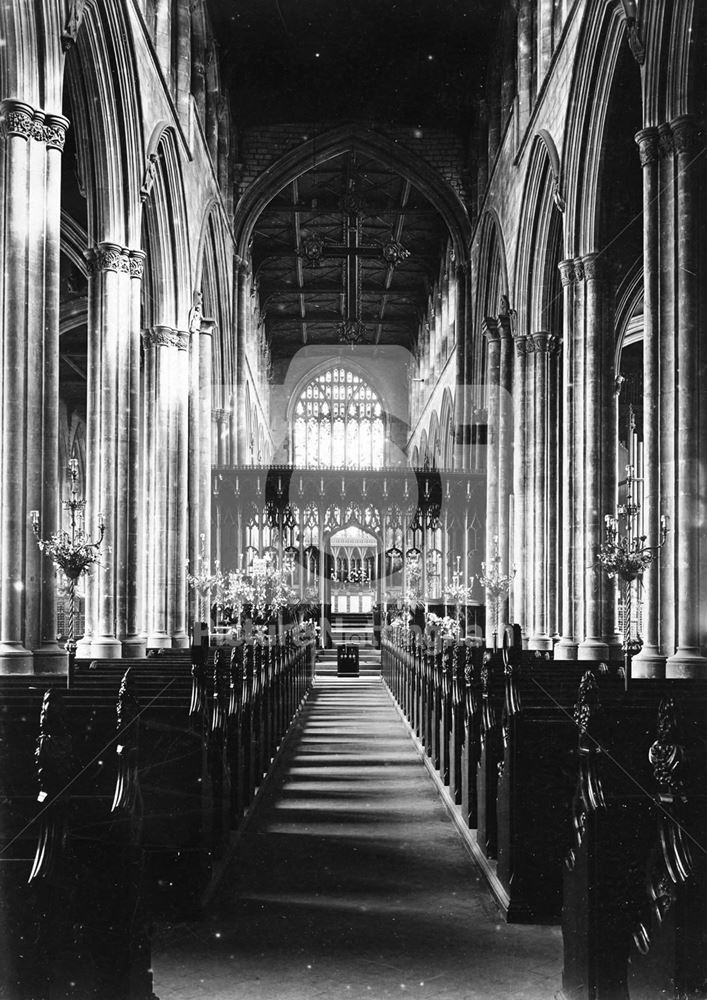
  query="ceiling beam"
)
[
  {"x": 73, "y": 366},
  {"x": 397, "y": 236},
  {"x": 283, "y": 251},
  {"x": 300, "y": 273},
  {"x": 332, "y": 319},
  {"x": 332, "y": 290},
  {"x": 370, "y": 209}
]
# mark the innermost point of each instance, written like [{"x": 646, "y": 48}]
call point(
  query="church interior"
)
[{"x": 353, "y": 499}]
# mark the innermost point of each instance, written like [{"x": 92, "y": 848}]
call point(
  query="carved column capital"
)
[
  {"x": 54, "y": 131},
  {"x": 542, "y": 342},
  {"x": 489, "y": 329},
  {"x": 567, "y": 275},
  {"x": 16, "y": 119},
  {"x": 20, "y": 119},
  {"x": 207, "y": 327},
  {"x": 181, "y": 340},
  {"x": 684, "y": 131},
  {"x": 665, "y": 140},
  {"x": 504, "y": 327},
  {"x": 136, "y": 263},
  {"x": 593, "y": 267},
  {"x": 648, "y": 142},
  {"x": 521, "y": 344},
  {"x": 220, "y": 415},
  {"x": 160, "y": 336},
  {"x": 107, "y": 257},
  {"x": 578, "y": 269}
]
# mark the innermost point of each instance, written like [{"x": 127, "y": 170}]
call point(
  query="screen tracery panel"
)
[{"x": 338, "y": 423}]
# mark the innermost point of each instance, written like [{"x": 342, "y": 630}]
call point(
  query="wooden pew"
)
[
  {"x": 635, "y": 881},
  {"x": 189, "y": 790}
]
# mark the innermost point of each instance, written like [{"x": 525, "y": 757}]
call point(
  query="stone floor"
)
[{"x": 351, "y": 882}]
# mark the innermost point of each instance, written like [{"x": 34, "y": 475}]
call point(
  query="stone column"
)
[
  {"x": 521, "y": 426},
  {"x": 667, "y": 402},
  {"x": 130, "y": 620},
  {"x": 577, "y": 429},
  {"x": 160, "y": 354},
  {"x": 650, "y": 662},
  {"x": 241, "y": 366},
  {"x": 43, "y": 342},
  {"x": 222, "y": 431},
  {"x": 109, "y": 374},
  {"x": 566, "y": 648},
  {"x": 196, "y": 445},
  {"x": 542, "y": 346},
  {"x": 178, "y": 494},
  {"x": 200, "y": 446},
  {"x": 31, "y": 143},
  {"x": 462, "y": 432},
  {"x": 15, "y": 530},
  {"x": 689, "y": 659},
  {"x": 553, "y": 492},
  {"x": 596, "y": 379},
  {"x": 493, "y": 361},
  {"x": 505, "y": 444}
]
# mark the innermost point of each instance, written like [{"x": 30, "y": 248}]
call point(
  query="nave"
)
[{"x": 350, "y": 881}]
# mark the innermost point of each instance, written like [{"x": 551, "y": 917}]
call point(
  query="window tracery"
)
[{"x": 338, "y": 423}]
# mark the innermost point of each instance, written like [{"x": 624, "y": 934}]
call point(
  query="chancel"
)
[{"x": 353, "y": 499}]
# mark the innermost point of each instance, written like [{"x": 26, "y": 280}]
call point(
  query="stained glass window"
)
[{"x": 338, "y": 423}]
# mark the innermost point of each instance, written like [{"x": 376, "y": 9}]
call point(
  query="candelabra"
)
[
  {"x": 71, "y": 551},
  {"x": 204, "y": 581},
  {"x": 457, "y": 593},
  {"x": 496, "y": 584},
  {"x": 627, "y": 557}
]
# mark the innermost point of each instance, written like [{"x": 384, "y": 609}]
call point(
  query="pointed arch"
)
[
  {"x": 101, "y": 75},
  {"x": 602, "y": 35},
  {"x": 492, "y": 282},
  {"x": 540, "y": 242},
  {"x": 167, "y": 284},
  {"x": 213, "y": 278},
  {"x": 349, "y": 138},
  {"x": 445, "y": 429}
]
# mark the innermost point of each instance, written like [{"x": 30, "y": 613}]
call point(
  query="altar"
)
[{"x": 352, "y": 604}]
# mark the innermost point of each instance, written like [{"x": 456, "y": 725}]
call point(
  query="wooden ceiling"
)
[{"x": 304, "y": 304}]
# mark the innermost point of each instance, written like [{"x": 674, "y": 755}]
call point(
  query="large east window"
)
[{"x": 338, "y": 423}]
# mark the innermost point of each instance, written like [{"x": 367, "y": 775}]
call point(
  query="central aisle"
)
[{"x": 351, "y": 882}]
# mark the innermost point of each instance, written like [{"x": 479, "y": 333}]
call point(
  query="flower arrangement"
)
[
  {"x": 456, "y": 593},
  {"x": 73, "y": 556},
  {"x": 204, "y": 581},
  {"x": 235, "y": 593},
  {"x": 72, "y": 552},
  {"x": 495, "y": 583},
  {"x": 626, "y": 556},
  {"x": 442, "y": 627},
  {"x": 308, "y": 629}
]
